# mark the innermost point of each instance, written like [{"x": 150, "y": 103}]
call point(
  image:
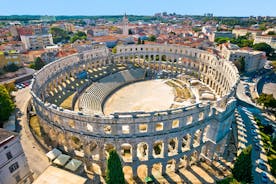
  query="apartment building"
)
[
  {"x": 33, "y": 42},
  {"x": 254, "y": 60},
  {"x": 14, "y": 168}
]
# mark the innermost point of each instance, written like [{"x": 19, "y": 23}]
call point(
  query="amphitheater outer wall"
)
[{"x": 183, "y": 136}]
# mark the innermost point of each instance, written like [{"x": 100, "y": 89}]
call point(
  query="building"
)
[
  {"x": 243, "y": 31},
  {"x": 13, "y": 163},
  {"x": 254, "y": 60},
  {"x": 125, "y": 25},
  {"x": 34, "y": 42},
  {"x": 220, "y": 34},
  {"x": 269, "y": 39},
  {"x": 10, "y": 57}
]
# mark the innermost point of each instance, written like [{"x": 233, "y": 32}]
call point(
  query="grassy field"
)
[
  {"x": 34, "y": 124},
  {"x": 67, "y": 103}
]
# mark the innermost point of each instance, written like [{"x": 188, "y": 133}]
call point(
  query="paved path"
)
[
  {"x": 37, "y": 159},
  {"x": 245, "y": 118}
]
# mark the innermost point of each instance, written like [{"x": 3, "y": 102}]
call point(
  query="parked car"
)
[
  {"x": 256, "y": 139},
  {"x": 253, "y": 132},
  {"x": 257, "y": 147},
  {"x": 261, "y": 164},
  {"x": 264, "y": 177}
]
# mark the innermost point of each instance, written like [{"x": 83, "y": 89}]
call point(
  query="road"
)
[
  {"x": 241, "y": 94},
  {"x": 36, "y": 158},
  {"x": 248, "y": 120}
]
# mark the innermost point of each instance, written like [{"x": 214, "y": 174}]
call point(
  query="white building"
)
[
  {"x": 254, "y": 60},
  {"x": 36, "y": 41},
  {"x": 100, "y": 32},
  {"x": 269, "y": 39},
  {"x": 13, "y": 163}
]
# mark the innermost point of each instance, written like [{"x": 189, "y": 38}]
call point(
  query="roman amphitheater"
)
[{"x": 163, "y": 106}]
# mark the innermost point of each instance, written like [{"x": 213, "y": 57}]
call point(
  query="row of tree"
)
[
  {"x": 241, "y": 41},
  {"x": 6, "y": 103},
  {"x": 241, "y": 172},
  {"x": 62, "y": 36},
  {"x": 267, "y": 100}
]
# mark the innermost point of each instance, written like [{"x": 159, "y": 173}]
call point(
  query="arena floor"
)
[{"x": 152, "y": 95}]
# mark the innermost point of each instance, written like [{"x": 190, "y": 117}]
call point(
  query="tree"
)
[
  {"x": 130, "y": 32},
  {"x": 152, "y": 38},
  {"x": 11, "y": 67},
  {"x": 59, "y": 35},
  {"x": 267, "y": 100},
  {"x": 263, "y": 47},
  {"x": 38, "y": 64},
  {"x": 10, "y": 87},
  {"x": 243, "y": 166},
  {"x": 114, "y": 50},
  {"x": 221, "y": 40},
  {"x": 271, "y": 33},
  {"x": 6, "y": 104},
  {"x": 240, "y": 64},
  {"x": 114, "y": 172},
  {"x": 139, "y": 41},
  {"x": 78, "y": 36}
]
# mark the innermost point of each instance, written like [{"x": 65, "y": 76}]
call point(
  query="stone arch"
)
[
  {"x": 172, "y": 146},
  {"x": 197, "y": 137},
  {"x": 158, "y": 149},
  {"x": 186, "y": 142},
  {"x": 107, "y": 148},
  {"x": 143, "y": 151},
  {"x": 183, "y": 162},
  {"x": 61, "y": 139},
  {"x": 96, "y": 169},
  {"x": 126, "y": 152},
  {"x": 142, "y": 171},
  {"x": 205, "y": 133},
  {"x": 193, "y": 158},
  {"x": 171, "y": 166},
  {"x": 128, "y": 172},
  {"x": 92, "y": 149},
  {"x": 157, "y": 169}
]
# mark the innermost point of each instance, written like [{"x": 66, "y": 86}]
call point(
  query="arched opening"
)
[
  {"x": 96, "y": 169},
  {"x": 142, "y": 151},
  {"x": 201, "y": 116},
  {"x": 197, "y": 137},
  {"x": 126, "y": 152},
  {"x": 172, "y": 146},
  {"x": 194, "y": 158},
  {"x": 205, "y": 133},
  {"x": 128, "y": 173},
  {"x": 92, "y": 149},
  {"x": 107, "y": 148},
  {"x": 189, "y": 120},
  {"x": 171, "y": 166},
  {"x": 61, "y": 139},
  {"x": 158, "y": 149},
  {"x": 163, "y": 58},
  {"x": 183, "y": 162},
  {"x": 186, "y": 141},
  {"x": 157, "y": 169},
  {"x": 142, "y": 172}
]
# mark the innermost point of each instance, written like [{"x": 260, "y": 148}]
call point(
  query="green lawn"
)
[{"x": 34, "y": 124}]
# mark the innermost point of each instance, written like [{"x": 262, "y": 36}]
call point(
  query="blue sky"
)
[{"x": 140, "y": 7}]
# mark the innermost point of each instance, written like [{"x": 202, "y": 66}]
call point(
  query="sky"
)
[{"x": 140, "y": 7}]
